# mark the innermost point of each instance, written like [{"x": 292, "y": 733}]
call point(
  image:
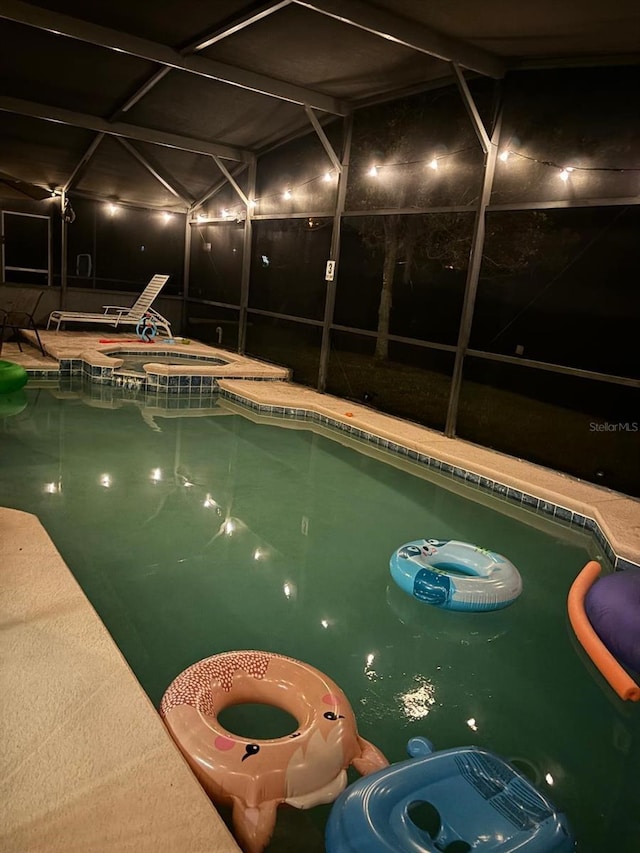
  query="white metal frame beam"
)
[
  {"x": 140, "y": 92},
  {"x": 128, "y": 131},
  {"x": 169, "y": 184},
  {"x": 408, "y": 33},
  {"x": 243, "y": 198},
  {"x": 473, "y": 276},
  {"x": 83, "y": 163},
  {"x": 241, "y": 22},
  {"x": 215, "y": 188},
  {"x": 198, "y": 44},
  {"x": 33, "y": 16},
  {"x": 472, "y": 110},
  {"x": 322, "y": 136}
]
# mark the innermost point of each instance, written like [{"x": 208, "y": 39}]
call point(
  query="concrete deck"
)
[
  {"x": 97, "y": 349},
  {"x": 86, "y": 762}
]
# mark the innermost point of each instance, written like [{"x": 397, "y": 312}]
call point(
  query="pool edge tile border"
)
[
  {"x": 104, "y": 367},
  {"x": 513, "y": 495}
]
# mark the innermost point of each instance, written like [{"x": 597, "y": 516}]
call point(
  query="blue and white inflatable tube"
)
[{"x": 455, "y": 575}]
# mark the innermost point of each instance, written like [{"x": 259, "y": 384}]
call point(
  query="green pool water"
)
[{"x": 198, "y": 532}]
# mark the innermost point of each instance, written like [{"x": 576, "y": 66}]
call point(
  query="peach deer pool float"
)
[{"x": 303, "y": 769}]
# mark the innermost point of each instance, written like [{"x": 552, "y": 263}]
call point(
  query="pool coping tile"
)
[{"x": 612, "y": 517}]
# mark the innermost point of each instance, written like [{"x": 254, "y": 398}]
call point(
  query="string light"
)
[
  {"x": 566, "y": 169},
  {"x": 433, "y": 164},
  {"x": 564, "y": 172},
  {"x": 232, "y": 212}
]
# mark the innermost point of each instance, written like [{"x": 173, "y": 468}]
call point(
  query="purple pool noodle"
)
[{"x": 613, "y": 607}]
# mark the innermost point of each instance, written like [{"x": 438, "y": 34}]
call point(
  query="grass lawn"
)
[{"x": 571, "y": 425}]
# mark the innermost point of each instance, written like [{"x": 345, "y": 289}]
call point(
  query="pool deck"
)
[
  {"x": 95, "y": 350},
  {"x": 87, "y": 763}
]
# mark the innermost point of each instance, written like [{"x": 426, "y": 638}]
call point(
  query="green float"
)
[{"x": 12, "y": 377}]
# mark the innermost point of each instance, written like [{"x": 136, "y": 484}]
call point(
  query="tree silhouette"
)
[{"x": 395, "y": 150}]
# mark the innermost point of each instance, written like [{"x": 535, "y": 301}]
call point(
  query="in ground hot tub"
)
[
  {"x": 164, "y": 370},
  {"x": 133, "y": 361}
]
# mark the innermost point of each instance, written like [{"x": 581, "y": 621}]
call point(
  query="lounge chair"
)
[
  {"x": 116, "y": 315},
  {"x": 17, "y": 308}
]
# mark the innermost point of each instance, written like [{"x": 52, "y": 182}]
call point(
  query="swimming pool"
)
[{"x": 216, "y": 532}]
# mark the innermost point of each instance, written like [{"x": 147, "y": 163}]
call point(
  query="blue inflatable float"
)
[
  {"x": 455, "y": 575},
  {"x": 478, "y": 802}
]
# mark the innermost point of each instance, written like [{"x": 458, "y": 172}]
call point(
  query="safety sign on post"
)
[{"x": 331, "y": 268}]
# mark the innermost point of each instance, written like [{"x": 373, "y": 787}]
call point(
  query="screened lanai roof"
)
[{"x": 151, "y": 101}]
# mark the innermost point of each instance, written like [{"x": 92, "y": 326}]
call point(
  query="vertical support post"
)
[
  {"x": 330, "y": 299},
  {"x": 3, "y": 276},
  {"x": 64, "y": 250},
  {"x": 186, "y": 271},
  {"x": 49, "y": 252},
  {"x": 94, "y": 277},
  {"x": 473, "y": 274},
  {"x": 246, "y": 258}
]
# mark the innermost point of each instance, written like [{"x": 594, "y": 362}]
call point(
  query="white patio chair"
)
[{"x": 119, "y": 316}]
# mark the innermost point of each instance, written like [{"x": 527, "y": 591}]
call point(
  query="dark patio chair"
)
[{"x": 18, "y": 306}]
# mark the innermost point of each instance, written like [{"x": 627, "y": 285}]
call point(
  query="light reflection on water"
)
[{"x": 416, "y": 704}]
